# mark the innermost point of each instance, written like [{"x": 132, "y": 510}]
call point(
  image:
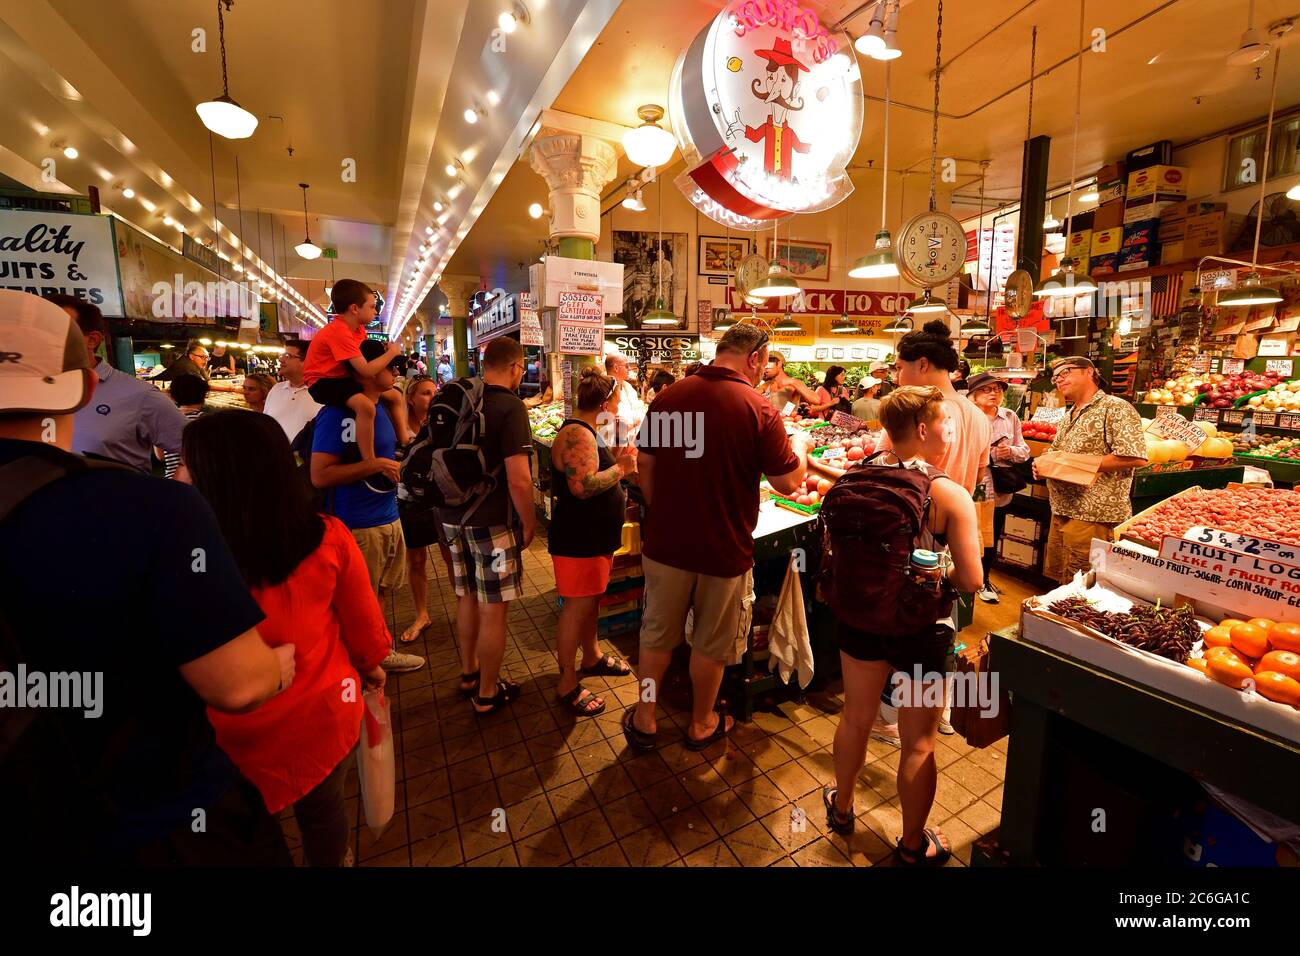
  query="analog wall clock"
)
[
  {"x": 1019, "y": 293},
  {"x": 750, "y": 271},
  {"x": 930, "y": 249}
]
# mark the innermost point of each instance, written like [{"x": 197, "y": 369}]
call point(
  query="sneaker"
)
[
  {"x": 396, "y": 663},
  {"x": 886, "y": 733},
  {"x": 945, "y": 728},
  {"x": 988, "y": 594}
]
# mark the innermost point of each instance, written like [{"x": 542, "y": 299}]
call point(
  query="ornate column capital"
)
[
  {"x": 458, "y": 290},
  {"x": 576, "y": 168}
]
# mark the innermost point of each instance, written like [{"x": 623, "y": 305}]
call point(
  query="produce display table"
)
[{"x": 1069, "y": 714}]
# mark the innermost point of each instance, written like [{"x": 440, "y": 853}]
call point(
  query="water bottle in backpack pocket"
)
[
  {"x": 877, "y": 574},
  {"x": 444, "y": 467}
]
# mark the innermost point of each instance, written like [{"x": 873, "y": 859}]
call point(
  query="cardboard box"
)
[
  {"x": 1140, "y": 233},
  {"x": 1197, "y": 207},
  {"x": 1148, "y": 207},
  {"x": 1111, "y": 172},
  {"x": 1171, "y": 180},
  {"x": 1079, "y": 248},
  {"x": 1023, "y": 529},
  {"x": 1211, "y": 234},
  {"x": 1143, "y": 256},
  {"x": 1104, "y": 264},
  {"x": 1108, "y": 215},
  {"x": 1171, "y": 252},
  {"x": 1152, "y": 154},
  {"x": 1110, "y": 191},
  {"x": 1019, "y": 553},
  {"x": 1106, "y": 240}
]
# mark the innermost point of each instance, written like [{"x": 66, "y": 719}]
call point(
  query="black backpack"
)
[
  {"x": 42, "y": 785},
  {"x": 444, "y": 467},
  {"x": 872, "y": 518}
]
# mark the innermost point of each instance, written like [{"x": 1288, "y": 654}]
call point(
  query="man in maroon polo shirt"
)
[{"x": 705, "y": 443}]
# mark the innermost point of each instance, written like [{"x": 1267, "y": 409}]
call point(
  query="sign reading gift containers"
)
[
  {"x": 44, "y": 253},
  {"x": 766, "y": 104},
  {"x": 580, "y": 323}
]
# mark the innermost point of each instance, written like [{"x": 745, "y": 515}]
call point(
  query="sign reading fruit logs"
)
[{"x": 766, "y": 104}]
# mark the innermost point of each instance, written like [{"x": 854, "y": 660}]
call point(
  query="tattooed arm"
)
[{"x": 580, "y": 460}]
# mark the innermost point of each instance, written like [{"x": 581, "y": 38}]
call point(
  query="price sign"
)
[
  {"x": 1201, "y": 363},
  {"x": 1233, "y": 366},
  {"x": 1245, "y": 543},
  {"x": 1264, "y": 419},
  {"x": 580, "y": 323},
  {"x": 1179, "y": 428},
  {"x": 1289, "y": 420},
  {"x": 530, "y": 325},
  {"x": 1201, "y": 414},
  {"x": 834, "y": 454},
  {"x": 1170, "y": 411},
  {"x": 1233, "y": 416},
  {"x": 1049, "y": 416},
  {"x": 1284, "y": 367},
  {"x": 788, "y": 410},
  {"x": 845, "y": 420}
]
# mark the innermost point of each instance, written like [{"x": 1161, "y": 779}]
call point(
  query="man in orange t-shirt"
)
[{"x": 336, "y": 348}]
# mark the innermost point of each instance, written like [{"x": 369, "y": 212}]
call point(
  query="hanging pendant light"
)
[
  {"x": 843, "y": 325},
  {"x": 1252, "y": 291},
  {"x": 778, "y": 283},
  {"x": 899, "y": 323},
  {"x": 880, "y": 262},
  {"x": 649, "y": 144},
  {"x": 659, "y": 316},
  {"x": 929, "y": 303},
  {"x": 222, "y": 114},
  {"x": 725, "y": 322},
  {"x": 633, "y": 200},
  {"x": 787, "y": 324},
  {"x": 615, "y": 323},
  {"x": 306, "y": 249},
  {"x": 975, "y": 326}
]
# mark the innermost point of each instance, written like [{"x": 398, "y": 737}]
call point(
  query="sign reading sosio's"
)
[
  {"x": 45, "y": 253},
  {"x": 767, "y": 109}
]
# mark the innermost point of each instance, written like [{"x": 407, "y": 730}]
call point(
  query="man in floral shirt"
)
[{"x": 1097, "y": 424}]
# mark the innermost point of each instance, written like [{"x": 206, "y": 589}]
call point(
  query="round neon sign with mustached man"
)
[{"x": 766, "y": 105}]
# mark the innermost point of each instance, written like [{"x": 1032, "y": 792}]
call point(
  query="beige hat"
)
[{"x": 42, "y": 357}]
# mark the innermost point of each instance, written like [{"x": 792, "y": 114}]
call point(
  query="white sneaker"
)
[
  {"x": 945, "y": 728},
  {"x": 396, "y": 663},
  {"x": 988, "y": 594},
  {"x": 886, "y": 733}
]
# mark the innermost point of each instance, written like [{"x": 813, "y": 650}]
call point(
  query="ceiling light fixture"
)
[
  {"x": 128, "y": 193},
  {"x": 633, "y": 200},
  {"x": 615, "y": 322},
  {"x": 223, "y": 115},
  {"x": 649, "y": 144},
  {"x": 306, "y": 249},
  {"x": 437, "y": 207},
  {"x": 787, "y": 324},
  {"x": 872, "y": 43},
  {"x": 535, "y": 210},
  {"x": 778, "y": 283},
  {"x": 900, "y": 323},
  {"x": 891, "y": 50},
  {"x": 428, "y": 230},
  {"x": 471, "y": 116},
  {"x": 454, "y": 166},
  {"x": 1252, "y": 291},
  {"x": 843, "y": 325},
  {"x": 1251, "y": 49},
  {"x": 509, "y": 20},
  {"x": 70, "y": 152},
  {"x": 928, "y": 303}
]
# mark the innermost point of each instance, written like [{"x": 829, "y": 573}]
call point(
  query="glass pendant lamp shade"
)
[
  {"x": 900, "y": 323},
  {"x": 1065, "y": 282},
  {"x": 659, "y": 316},
  {"x": 649, "y": 144},
  {"x": 777, "y": 284},
  {"x": 928, "y": 303},
  {"x": 227, "y": 118}
]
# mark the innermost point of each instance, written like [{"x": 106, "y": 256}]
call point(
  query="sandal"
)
[
  {"x": 835, "y": 820},
  {"x": 720, "y": 731},
  {"x": 636, "y": 738},
  {"x": 609, "y": 666},
  {"x": 583, "y": 706},
  {"x": 415, "y": 635},
  {"x": 472, "y": 680},
  {"x": 507, "y": 691},
  {"x": 917, "y": 857}
]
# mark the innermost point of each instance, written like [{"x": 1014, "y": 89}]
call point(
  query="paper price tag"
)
[
  {"x": 789, "y": 409},
  {"x": 1289, "y": 420},
  {"x": 1244, "y": 543},
  {"x": 845, "y": 420},
  {"x": 1233, "y": 416},
  {"x": 1264, "y": 419},
  {"x": 1202, "y": 414},
  {"x": 1233, "y": 366},
  {"x": 1180, "y": 429},
  {"x": 1171, "y": 411},
  {"x": 1283, "y": 367},
  {"x": 1049, "y": 416}
]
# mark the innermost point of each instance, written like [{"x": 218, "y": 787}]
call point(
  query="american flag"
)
[{"x": 1165, "y": 294}]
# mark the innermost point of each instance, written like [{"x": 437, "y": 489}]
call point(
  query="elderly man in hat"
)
[{"x": 1096, "y": 424}]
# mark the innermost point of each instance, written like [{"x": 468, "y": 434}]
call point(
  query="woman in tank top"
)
[{"x": 586, "y": 529}]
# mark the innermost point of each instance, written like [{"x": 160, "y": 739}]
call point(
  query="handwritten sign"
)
[
  {"x": 788, "y": 410},
  {"x": 1264, "y": 577},
  {"x": 1233, "y": 366},
  {"x": 1201, "y": 414},
  {"x": 580, "y": 323},
  {"x": 1233, "y": 416},
  {"x": 1049, "y": 416},
  {"x": 845, "y": 420},
  {"x": 530, "y": 325},
  {"x": 1201, "y": 363},
  {"x": 1281, "y": 366},
  {"x": 1264, "y": 419},
  {"x": 1179, "y": 428},
  {"x": 1169, "y": 411},
  {"x": 1288, "y": 420},
  {"x": 1245, "y": 543}
]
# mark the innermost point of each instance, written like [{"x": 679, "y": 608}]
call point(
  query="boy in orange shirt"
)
[{"x": 336, "y": 347}]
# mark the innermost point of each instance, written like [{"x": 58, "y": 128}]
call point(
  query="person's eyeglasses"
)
[{"x": 1062, "y": 373}]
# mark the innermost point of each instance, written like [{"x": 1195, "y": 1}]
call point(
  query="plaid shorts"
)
[{"x": 487, "y": 561}]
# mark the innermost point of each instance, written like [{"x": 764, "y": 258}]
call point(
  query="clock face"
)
[
  {"x": 931, "y": 249},
  {"x": 749, "y": 272}
]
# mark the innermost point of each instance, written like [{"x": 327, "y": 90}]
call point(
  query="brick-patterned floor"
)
[{"x": 573, "y": 793}]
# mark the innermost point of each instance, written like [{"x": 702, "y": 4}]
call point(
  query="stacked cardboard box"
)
[
  {"x": 1140, "y": 246},
  {"x": 1153, "y": 190},
  {"x": 1191, "y": 230},
  {"x": 1079, "y": 248},
  {"x": 1110, "y": 193},
  {"x": 1104, "y": 249}
]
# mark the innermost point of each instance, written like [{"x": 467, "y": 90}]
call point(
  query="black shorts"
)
[
  {"x": 903, "y": 652},
  {"x": 334, "y": 392},
  {"x": 421, "y": 527}
]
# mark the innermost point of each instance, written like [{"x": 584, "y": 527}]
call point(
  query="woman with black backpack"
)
[{"x": 893, "y": 599}]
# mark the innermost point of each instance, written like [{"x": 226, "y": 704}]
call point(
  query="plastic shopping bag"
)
[{"x": 376, "y": 763}]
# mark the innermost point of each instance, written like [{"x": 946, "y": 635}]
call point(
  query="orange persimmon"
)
[
  {"x": 1198, "y": 664},
  {"x": 1285, "y": 636},
  {"x": 1229, "y": 669},
  {"x": 1281, "y": 662},
  {"x": 1278, "y": 688},
  {"x": 1250, "y": 639},
  {"x": 1218, "y": 636}
]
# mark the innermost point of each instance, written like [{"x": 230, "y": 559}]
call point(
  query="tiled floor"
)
[{"x": 535, "y": 786}]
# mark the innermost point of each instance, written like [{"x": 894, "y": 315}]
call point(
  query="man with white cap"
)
[
  {"x": 128, "y": 417},
  {"x": 116, "y": 761}
]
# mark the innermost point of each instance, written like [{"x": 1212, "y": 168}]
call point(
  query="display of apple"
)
[{"x": 823, "y": 486}]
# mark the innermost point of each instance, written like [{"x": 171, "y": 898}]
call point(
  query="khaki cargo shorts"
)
[
  {"x": 384, "y": 551},
  {"x": 1069, "y": 546},
  {"x": 722, "y": 611}
]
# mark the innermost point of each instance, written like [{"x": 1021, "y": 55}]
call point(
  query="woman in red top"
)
[{"x": 308, "y": 576}]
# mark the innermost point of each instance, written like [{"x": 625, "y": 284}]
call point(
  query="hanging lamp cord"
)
[
  {"x": 1074, "y": 145},
  {"x": 221, "y": 34},
  {"x": 1033, "y": 59},
  {"x": 934, "y": 126},
  {"x": 1268, "y": 145},
  {"x": 306, "y": 227},
  {"x": 884, "y": 162}
]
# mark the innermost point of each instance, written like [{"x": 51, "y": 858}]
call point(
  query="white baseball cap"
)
[{"x": 43, "y": 357}]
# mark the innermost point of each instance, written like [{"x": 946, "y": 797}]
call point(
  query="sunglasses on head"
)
[{"x": 761, "y": 343}]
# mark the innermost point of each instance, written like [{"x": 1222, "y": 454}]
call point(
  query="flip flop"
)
[
  {"x": 416, "y": 636},
  {"x": 608, "y": 667},
  {"x": 466, "y": 679},
  {"x": 917, "y": 857},
  {"x": 720, "y": 731},
  {"x": 581, "y": 706},
  {"x": 637, "y": 739}
]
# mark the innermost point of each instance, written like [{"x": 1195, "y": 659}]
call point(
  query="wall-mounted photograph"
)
[
  {"x": 805, "y": 260},
  {"x": 718, "y": 255}
]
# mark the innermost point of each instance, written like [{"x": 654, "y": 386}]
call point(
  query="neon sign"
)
[{"x": 766, "y": 105}]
